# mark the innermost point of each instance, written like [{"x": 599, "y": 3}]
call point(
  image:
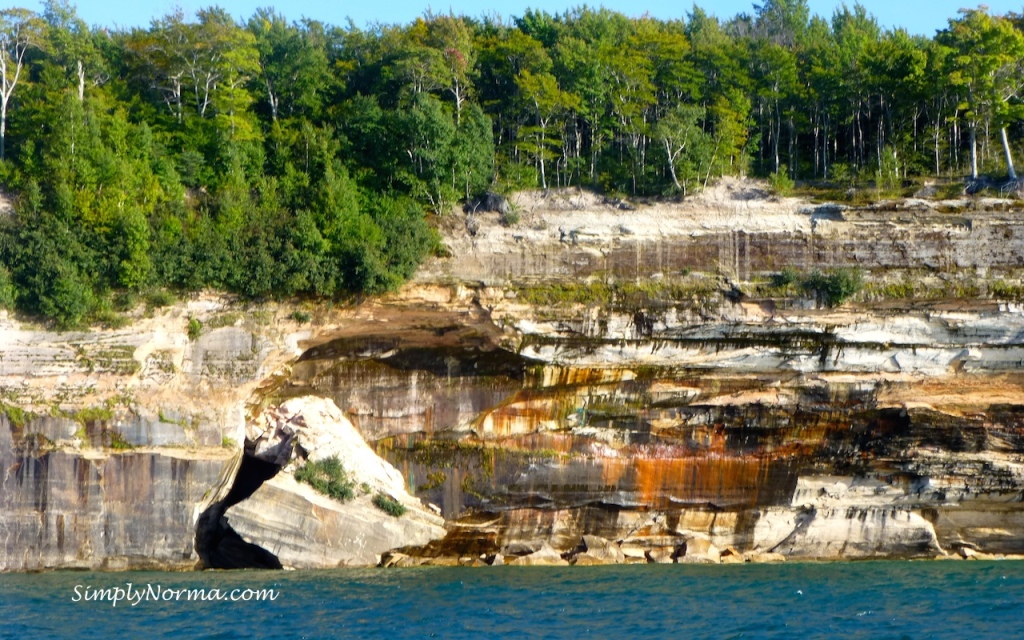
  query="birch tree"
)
[{"x": 19, "y": 31}]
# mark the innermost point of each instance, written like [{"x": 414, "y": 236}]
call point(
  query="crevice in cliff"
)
[{"x": 218, "y": 545}]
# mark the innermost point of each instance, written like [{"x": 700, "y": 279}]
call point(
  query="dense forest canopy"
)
[{"x": 275, "y": 158}]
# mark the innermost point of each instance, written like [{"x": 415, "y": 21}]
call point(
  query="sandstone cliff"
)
[{"x": 623, "y": 372}]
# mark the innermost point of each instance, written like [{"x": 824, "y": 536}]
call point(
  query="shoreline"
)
[{"x": 997, "y": 558}]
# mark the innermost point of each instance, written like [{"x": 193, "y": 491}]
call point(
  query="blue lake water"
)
[{"x": 962, "y": 600}]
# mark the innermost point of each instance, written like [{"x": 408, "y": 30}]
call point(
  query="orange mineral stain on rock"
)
[
  {"x": 561, "y": 443},
  {"x": 708, "y": 478},
  {"x": 612, "y": 470},
  {"x": 526, "y": 413},
  {"x": 578, "y": 376}
]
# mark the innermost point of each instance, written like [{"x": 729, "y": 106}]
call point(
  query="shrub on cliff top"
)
[
  {"x": 327, "y": 476},
  {"x": 780, "y": 183},
  {"x": 835, "y": 286}
]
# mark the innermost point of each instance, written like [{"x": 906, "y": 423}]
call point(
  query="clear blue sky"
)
[{"x": 917, "y": 16}]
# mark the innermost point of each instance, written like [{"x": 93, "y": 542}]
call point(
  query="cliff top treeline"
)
[{"x": 277, "y": 158}]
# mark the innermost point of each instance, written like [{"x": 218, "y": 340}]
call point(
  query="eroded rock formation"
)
[
  {"x": 597, "y": 384},
  {"x": 305, "y": 529}
]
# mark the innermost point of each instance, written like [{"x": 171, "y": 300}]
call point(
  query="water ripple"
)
[{"x": 858, "y": 600}]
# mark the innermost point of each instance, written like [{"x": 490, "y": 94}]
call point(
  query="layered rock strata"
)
[
  {"x": 701, "y": 406},
  {"x": 100, "y": 509},
  {"x": 834, "y": 456},
  {"x": 601, "y": 379}
]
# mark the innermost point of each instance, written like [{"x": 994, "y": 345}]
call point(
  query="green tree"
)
[
  {"x": 586, "y": 76},
  {"x": 986, "y": 63},
  {"x": 896, "y": 66},
  {"x": 548, "y": 102},
  {"x": 473, "y": 152},
  {"x": 725, "y": 92},
  {"x": 775, "y": 72},
  {"x": 198, "y": 65},
  {"x": 854, "y": 32},
  {"x": 70, "y": 42},
  {"x": 679, "y": 131},
  {"x": 452, "y": 38},
  {"x": 426, "y": 134},
  {"x": 782, "y": 22},
  {"x": 502, "y": 57},
  {"x": 293, "y": 64}
]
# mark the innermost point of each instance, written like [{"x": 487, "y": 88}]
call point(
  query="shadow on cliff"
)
[{"x": 218, "y": 545}]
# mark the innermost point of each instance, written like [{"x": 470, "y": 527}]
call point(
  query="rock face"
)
[
  {"x": 733, "y": 229},
  {"x": 108, "y": 510},
  {"x": 305, "y": 529},
  {"x": 690, "y": 408},
  {"x": 546, "y": 556},
  {"x": 700, "y": 551},
  {"x": 629, "y": 377},
  {"x": 113, "y": 440},
  {"x": 846, "y": 517},
  {"x": 809, "y": 432},
  {"x": 319, "y": 430},
  {"x": 601, "y": 550}
]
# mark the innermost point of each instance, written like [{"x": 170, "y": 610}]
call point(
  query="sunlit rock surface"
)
[
  {"x": 104, "y": 510},
  {"x": 305, "y": 529},
  {"x": 593, "y": 371}
]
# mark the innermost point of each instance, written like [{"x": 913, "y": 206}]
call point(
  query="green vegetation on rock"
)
[
  {"x": 17, "y": 416},
  {"x": 1003, "y": 290},
  {"x": 93, "y": 414},
  {"x": 780, "y": 182},
  {"x": 194, "y": 328},
  {"x": 834, "y": 286},
  {"x": 624, "y": 294},
  {"x": 328, "y": 476},
  {"x": 118, "y": 442},
  {"x": 159, "y": 298},
  {"x": 388, "y": 505},
  {"x": 831, "y": 287}
]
